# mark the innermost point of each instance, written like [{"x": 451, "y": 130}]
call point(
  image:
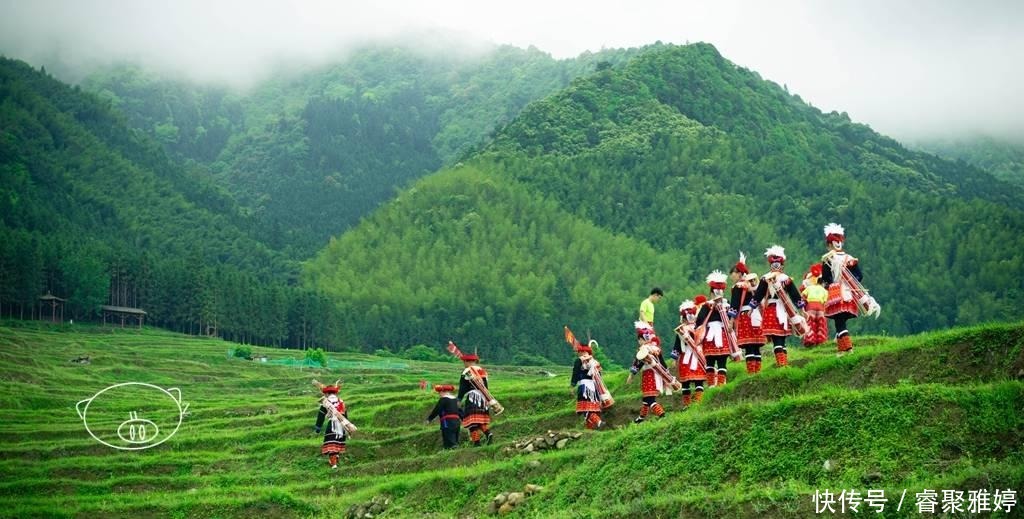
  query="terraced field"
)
[{"x": 936, "y": 411}]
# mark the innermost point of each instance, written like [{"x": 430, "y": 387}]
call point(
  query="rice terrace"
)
[{"x": 879, "y": 418}]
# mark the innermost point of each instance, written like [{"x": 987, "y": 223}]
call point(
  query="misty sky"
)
[{"x": 910, "y": 69}]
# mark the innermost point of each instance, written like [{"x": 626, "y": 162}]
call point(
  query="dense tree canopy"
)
[
  {"x": 310, "y": 153},
  {"x": 642, "y": 167},
  {"x": 1004, "y": 159},
  {"x": 85, "y": 200},
  {"x": 471, "y": 256},
  {"x": 681, "y": 151}
]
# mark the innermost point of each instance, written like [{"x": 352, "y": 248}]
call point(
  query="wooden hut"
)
[
  {"x": 122, "y": 313},
  {"x": 54, "y": 303}
]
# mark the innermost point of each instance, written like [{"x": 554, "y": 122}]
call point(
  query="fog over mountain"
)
[{"x": 914, "y": 70}]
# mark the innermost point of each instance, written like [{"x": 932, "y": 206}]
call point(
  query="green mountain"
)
[
  {"x": 93, "y": 206},
  {"x": 1004, "y": 159},
  {"x": 310, "y": 153},
  {"x": 774, "y": 171},
  {"x": 682, "y": 151},
  {"x": 667, "y": 160},
  {"x": 90, "y": 207},
  {"x": 477, "y": 258},
  {"x": 940, "y": 411}
]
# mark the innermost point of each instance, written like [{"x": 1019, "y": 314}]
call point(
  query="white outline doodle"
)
[
  {"x": 134, "y": 417},
  {"x": 137, "y": 427}
]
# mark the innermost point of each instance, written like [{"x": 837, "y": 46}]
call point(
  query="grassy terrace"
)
[{"x": 941, "y": 410}]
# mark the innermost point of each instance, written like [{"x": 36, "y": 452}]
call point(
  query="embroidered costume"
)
[
  {"x": 816, "y": 296},
  {"x": 477, "y": 412},
  {"x": 712, "y": 331},
  {"x": 585, "y": 378},
  {"x": 841, "y": 275},
  {"x": 689, "y": 356},
  {"x": 781, "y": 301},
  {"x": 332, "y": 410},
  {"x": 652, "y": 383},
  {"x": 749, "y": 335}
]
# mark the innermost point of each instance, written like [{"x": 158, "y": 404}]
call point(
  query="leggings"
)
[
  {"x": 841, "y": 325},
  {"x": 779, "y": 343},
  {"x": 717, "y": 361},
  {"x": 752, "y": 352}
]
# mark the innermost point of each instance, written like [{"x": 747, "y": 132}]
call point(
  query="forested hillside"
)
[
  {"x": 770, "y": 169},
  {"x": 85, "y": 200},
  {"x": 1004, "y": 159},
  {"x": 684, "y": 152},
  {"x": 139, "y": 183},
  {"x": 474, "y": 257},
  {"x": 653, "y": 168},
  {"x": 310, "y": 153}
]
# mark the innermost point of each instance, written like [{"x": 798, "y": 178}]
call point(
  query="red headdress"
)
[
  {"x": 834, "y": 232},
  {"x": 775, "y": 254},
  {"x": 643, "y": 330},
  {"x": 688, "y": 307},
  {"x": 577, "y": 346},
  {"x": 741, "y": 265},
  {"x": 464, "y": 357},
  {"x": 716, "y": 280},
  {"x": 444, "y": 388},
  {"x": 816, "y": 270},
  {"x": 333, "y": 388}
]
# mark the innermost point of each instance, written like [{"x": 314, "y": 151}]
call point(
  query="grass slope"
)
[{"x": 940, "y": 411}]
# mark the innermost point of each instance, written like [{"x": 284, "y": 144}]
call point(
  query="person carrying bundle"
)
[
  {"x": 748, "y": 319},
  {"x": 782, "y": 305},
  {"x": 689, "y": 355},
  {"x": 654, "y": 374},
  {"x": 335, "y": 414},
  {"x": 478, "y": 404},
  {"x": 841, "y": 275}
]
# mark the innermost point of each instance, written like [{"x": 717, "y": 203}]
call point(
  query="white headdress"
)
[
  {"x": 834, "y": 228},
  {"x": 775, "y": 250},
  {"x": 716, "y": 276}
]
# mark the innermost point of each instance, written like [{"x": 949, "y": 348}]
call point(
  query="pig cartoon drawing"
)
[
  {"x": 137, "y": 429},
  {"x": 153, "y": 413}
]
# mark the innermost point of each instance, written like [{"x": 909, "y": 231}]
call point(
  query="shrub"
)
[
  {"x": 317, "y": 355},
  {"x": 423, "y": 352},
  {"x": 526, "y": 359}
]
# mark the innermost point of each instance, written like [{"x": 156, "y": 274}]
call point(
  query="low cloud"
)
[{"x": 913, "y": 69}]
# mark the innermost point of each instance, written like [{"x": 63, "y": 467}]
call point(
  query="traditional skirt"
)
[
  {"x": 587, "y": 399},
  {"x": 476, "y": 410},
  {"x": 837, "y": 305},
  {"x": 746, "y": 333},
  {"x": 715, "y": 342},
  {"x": 817, "y": 326},
  {"x": 650, "y": 383},
  {"x": 690, "y": 368},
  {"x": 773, "y": 324},
  {"x": 334, "y": 443}
]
